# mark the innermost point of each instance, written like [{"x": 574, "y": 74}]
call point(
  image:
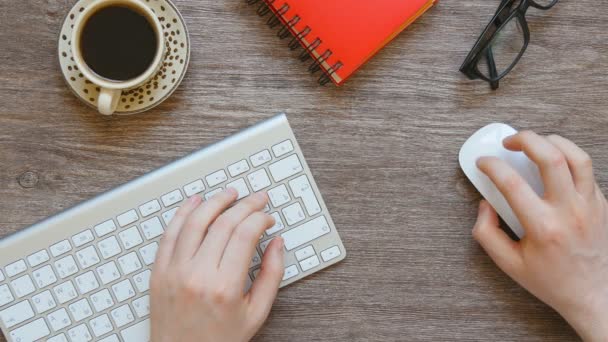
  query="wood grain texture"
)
[{"x": 383, "y": 149}]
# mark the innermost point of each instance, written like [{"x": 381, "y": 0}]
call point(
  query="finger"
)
[
  {"x": 195, "y": 227},
  {"x": 522, "y": 199},
  {"x": 550, "y": 160},
  {"x": 265, "y": 287},
  {"x": 221, "y": 230},
  {"x": 579, "y": 163},
  {"x": 502, "y": 250},
  {"x": 241, "y": 247},
  {"x": 169, "y": 239}
]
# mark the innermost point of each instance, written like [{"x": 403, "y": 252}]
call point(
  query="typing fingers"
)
[
  {"x": 550, "y": 160},
  {"x": 266, "y": 285},
  {"x": 520, "y": 196},
  {"x": 579, "y": 163},
  {"x": 169, "y": 239},
  {"x": 241, "y": 247},
  {"x": 212, "y": 249},
  {"x": 195, "y": 227}
]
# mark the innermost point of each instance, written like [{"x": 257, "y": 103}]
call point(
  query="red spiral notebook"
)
[{"x": 341, "y": 35}]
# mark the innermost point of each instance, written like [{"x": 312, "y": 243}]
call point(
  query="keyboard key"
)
[
  {"x": 152, "y": 228},
  {"x": 149, "y": 208},
  {"x": 194, "y": 188},
  {"x": 80, "y": 309},
  {"x": 87, "y": 257},
  {"x": 256, "y": 260},
  {"x": 59, "y": 319},
  {"x": 330, "y": 253},
  {"x": 238, "y": 168},
  {"x": 142, "y": 306},
  {"x": 109, "y": 247},
  {"x": 101, "y": 325},
  {"x": 16, "y": 314},
  {"x": 137, "y": 332},
  {"x": 86, "y": 282},
  {"x": 279, "y": 195},
  {"x": 1, "y": 276},
  {"x": 102, "y": 300},
  {"x": 58, "y": 338},
  {"x": 300, "y": 187},
  {"x": 65, "y": 292},
  {"x": 258, "y": 180},
  {"x": 105, "y": 228},
  {"x": 123, "y": 316},
  {"x": 285, "y": 168},
  {"x": 37, "y": 258},
  {"x": 168, "y": 215},
  {"x": 15, "y": 268},
  {"x": 293, "y": 214},
  {"x": 80, "y": 334},
  {"x": 309, "y": 263},
  {"x": 44, "y": 276},
  {"x": 60, "y": 248},
  {"x": 127, "y": 218},
  {"x": 108, "y": 272},
  {"x": 304, "y": 253},
  {"x": 260, "y": 158},
  {"x": 82, "y": 238},
  {"x": 23, "y": 286},
  {"x": 111, "y": 338},
  {"x": 290, "y": 272},
  {"x": 148, "y": 253},
  {"x": 282, "y": 148},
  {"x": 5, "y": 295},
  {"x": 213, "y": 193},
  {"x": 278, "y": 224},
  {"x": 30, "y": 332},
  {"x": 44, "y": 302},
  {"x": 142, "y": 281},
  {"x": 305, "y": 233},
  {"x": 129, "y": 263},
  {"x": 172, "y": 198},
  {"x": 130, "y": 237},
  {"x": 66, "y": 266},
  {"x": 240, "y": 187},
  {"x": 216, "y": 178}
]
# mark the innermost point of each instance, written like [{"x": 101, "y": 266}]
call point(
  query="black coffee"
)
[{"x": 118, "y": 43}]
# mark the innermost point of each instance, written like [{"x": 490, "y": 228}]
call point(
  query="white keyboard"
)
[{"x": 83, "y": 274}]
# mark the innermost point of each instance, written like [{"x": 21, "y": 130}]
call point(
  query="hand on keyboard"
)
[
  {"x": 200, "y": 275},
  {"x": 563, "y": 259}
]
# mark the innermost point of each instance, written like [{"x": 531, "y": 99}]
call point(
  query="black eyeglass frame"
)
[{"x": 504, "y": 14}]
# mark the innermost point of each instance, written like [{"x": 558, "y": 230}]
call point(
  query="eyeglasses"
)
[{"x": 503, "y": 41}]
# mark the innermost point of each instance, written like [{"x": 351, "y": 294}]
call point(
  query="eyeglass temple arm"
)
[{"x": 492, "y": 68}]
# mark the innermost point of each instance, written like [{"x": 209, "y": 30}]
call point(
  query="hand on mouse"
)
[
  {"x": 199, "y": 277},
  {"x": 563, "y": 258}
]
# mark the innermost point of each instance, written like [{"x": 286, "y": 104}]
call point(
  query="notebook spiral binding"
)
[{"x": 294, "y": 44}]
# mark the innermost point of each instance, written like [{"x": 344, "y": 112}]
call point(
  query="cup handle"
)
[{"x": 108, "y": 100}]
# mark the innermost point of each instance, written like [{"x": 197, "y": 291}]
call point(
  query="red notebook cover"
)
[{"x": 341, "y": 35}]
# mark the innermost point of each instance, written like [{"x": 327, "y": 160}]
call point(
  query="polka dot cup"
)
[{"x": 156, "y": 88}]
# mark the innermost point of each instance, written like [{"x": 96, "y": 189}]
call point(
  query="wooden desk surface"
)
[{"x": 383, "y": 149}]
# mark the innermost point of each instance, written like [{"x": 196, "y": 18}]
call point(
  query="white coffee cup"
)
[{"x": 111, "y": 90}]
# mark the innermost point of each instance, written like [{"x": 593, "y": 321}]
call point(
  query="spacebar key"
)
[
  {"x": 139, "y": 332},
  {"x": 305, "y": 233}
]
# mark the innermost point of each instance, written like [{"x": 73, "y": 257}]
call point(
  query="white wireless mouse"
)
[{"x": 487, "y": 142}]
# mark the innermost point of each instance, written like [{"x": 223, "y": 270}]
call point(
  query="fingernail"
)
[
  {"x": 194, "y": 199},
  {"x": 232, "y": 191}
]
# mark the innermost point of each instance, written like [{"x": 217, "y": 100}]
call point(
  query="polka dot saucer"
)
[{"x": 150, "y": 94}]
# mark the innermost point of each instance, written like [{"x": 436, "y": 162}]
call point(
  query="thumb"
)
[
  {"x": 502, "y": 250},
  {"x": 266, "y": 285}
]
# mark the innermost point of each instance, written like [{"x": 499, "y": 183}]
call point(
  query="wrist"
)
[{"x": 590, "y": 323}]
